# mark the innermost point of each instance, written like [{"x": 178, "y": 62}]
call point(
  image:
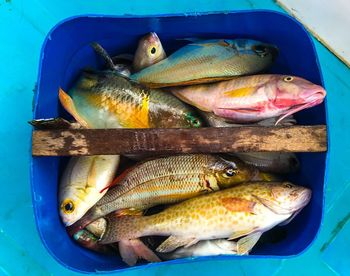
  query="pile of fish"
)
[{"x": 166, "y": 207}]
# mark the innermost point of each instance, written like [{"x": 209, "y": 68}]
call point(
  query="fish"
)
[
  {"x": 168, "y": 180},
  {"x": 244, "y": 211},
  {"x": 207, "y": 61},
  {"x": 90, "y": 241},
  {"x": 82, "y": 183},
  {"x": 254, "y": 98},
  {"x": 149, "y": 51},
  {"x": 108, "y": 100},
  {"x": 203, "y": 248},
  {"x": 270, "y": 162},
  {"x": 97, "y": 227}
]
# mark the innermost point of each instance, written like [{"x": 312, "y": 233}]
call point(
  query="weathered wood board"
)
[{"x": 65, "y": 142}]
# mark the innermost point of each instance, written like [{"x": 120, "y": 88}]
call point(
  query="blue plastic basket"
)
[{"x": 66, "y": 52}]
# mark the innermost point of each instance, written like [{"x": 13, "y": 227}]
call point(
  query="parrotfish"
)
[
  {"x": 169, "y": 180},
  {"x": 207, "y": 61},
  {"x": 83, "y": 184},
  {"x": 107, "y": 100},
  {"x": 244, "y": 211},
  {"x": 253, "y": 98}
]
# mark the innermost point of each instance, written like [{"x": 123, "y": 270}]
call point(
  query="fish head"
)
[
  {"x": 294, "y": 94},
  {"x": 256, "y": 48},
  {"x": 284, "y": 197},
  {"x": 148, "y": 52},
  {"x": 72, "y": 208},
  {"x": 230, "y": 171}
]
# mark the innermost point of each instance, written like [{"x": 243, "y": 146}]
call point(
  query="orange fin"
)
[
  {"x": 241, "y": 92},
  {"x": 235, "y": 204},
  {"x": 68, "y": 104}
]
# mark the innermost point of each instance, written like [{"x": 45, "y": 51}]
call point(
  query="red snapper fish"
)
[{"x": 253, "y": 98}]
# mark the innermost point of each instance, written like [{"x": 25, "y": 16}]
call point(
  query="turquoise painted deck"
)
[{"x": 23, "y": 26}]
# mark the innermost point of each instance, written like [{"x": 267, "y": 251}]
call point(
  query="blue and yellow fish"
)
[{"x": 208, "y": 61}]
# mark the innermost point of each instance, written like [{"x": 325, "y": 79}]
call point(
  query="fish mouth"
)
[
  {"x": 304, "y": 198},
  {"x": 299, "y": 107}
]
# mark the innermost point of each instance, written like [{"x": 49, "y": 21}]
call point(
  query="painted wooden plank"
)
[
  {"x": 170, "y": 141},
  {"x": 328, "y": 21}
]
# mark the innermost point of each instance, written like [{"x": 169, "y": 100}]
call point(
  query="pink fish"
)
[{"x": 253, "y": 98}]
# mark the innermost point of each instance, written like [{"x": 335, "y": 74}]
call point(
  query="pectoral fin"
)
[
  {"x": 128, "y": 212},
  {"x": 238, "y": 234},
  {"x": 245, "y": 245},
  {"x": 235, "y": 204},
  {"x": 221, "y": 42},
  {"x": 273, "y": 206},
  {"x": 173, "y": 242},
  {"x": 189, "y": 82},
  {"x": 240, "y": 92},
  {"x": 283, "y": 223}
]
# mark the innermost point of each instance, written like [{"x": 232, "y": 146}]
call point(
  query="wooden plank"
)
[{"x": 169, "y": 141}]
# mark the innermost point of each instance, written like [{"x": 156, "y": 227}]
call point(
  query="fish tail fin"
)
[
  {"x": 132, "y": 250},
  {"x": 123, "y": 228},
  {"x": 68, "y": 104}
]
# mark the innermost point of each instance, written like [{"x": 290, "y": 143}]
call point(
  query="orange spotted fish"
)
[
  {"x": 107, "y": 100},
  {"x": 245, "y": 211}
]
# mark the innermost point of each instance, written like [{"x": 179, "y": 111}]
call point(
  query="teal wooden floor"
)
[{"x": 23, "y": 26}]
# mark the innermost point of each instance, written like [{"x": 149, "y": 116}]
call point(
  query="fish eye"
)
[
  {"x": 288, "y": 186},
  {"x": 260, "y": 50},
  {"x": 229, "y": 172},
  {"x": 153, "y": 50},
  {"x": 68, "y": 206},
  {"x": 288, "y": 79},
  {"x": 196, "y": 123}
]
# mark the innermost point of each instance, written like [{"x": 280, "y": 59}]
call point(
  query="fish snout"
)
[
  {"x": 314, "y": 94},
  {"x": 301, "y": 197},
  {"x": 152, "y": 37}
]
